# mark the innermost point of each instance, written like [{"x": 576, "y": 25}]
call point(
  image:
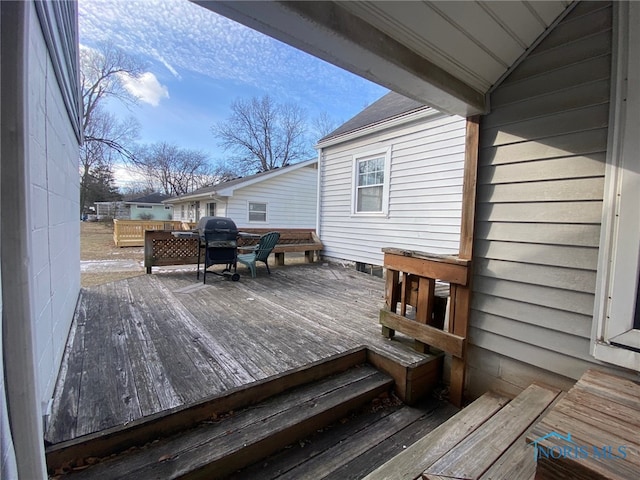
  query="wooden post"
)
[
  {"x": 458, "y": 325},
  {"x": 470, "y": 179},
  {"x": 460, "y": 302},
  {"x": 391, "y": 298},
  {"x": 424, "y": 307}
]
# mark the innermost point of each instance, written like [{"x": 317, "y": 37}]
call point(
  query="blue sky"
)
[{"x": 198, "y": 63}]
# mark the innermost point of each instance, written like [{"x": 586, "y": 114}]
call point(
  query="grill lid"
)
[{"x": 223, "y": 226}]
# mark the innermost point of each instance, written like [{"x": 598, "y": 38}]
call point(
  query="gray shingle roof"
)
[
  {"x": 240, "y": 180},
  {"x": 391, "y": 105},
  {"x": 151, "y": 198}
]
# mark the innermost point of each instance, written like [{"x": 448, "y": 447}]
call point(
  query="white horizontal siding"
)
[
  {"x": 425, "y": 192},
  {"x": 539, "y": 199},
  {"x": 291, "y": 200}
]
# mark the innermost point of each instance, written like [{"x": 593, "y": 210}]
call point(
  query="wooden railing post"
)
[{"x": 419, "y": 272}]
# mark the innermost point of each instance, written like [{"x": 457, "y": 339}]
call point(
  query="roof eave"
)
[{"x": 420, "y": 114}]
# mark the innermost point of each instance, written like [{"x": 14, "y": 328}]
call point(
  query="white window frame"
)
[
  {"x": 215, "y": 209},
  {"x": 266, "y": 211},
  {"x": 364, "y": 156},
  {"x": 619, "y": 255}
]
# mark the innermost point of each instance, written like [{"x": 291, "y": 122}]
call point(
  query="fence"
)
[{"x": 130, "y": 233}]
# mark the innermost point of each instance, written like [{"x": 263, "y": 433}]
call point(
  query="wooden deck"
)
[
  {"x": 592, "y": 432},
  {"x": 156, "y": 342}
]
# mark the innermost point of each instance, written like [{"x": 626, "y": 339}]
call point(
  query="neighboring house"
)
[
  {"x": 391, "y": 177},
  {"x": 40, "y": 234},
  {"x": 149, "y": 207},
  {"x": 111, "y": 210},
  {"x": 553, "y": 227},
  {"x": 282, "y": 198}
]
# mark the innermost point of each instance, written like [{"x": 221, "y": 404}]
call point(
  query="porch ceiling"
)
[{"x": 444, "y": 54}]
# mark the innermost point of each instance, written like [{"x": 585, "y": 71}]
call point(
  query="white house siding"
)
[
  {"x": 291, "y": 200},
  {"x": 539, "y": 205},
  {"x": 190, "y": 211},
  {"x": 52, "y": 153},
  {"x": 425, "y": 192}
]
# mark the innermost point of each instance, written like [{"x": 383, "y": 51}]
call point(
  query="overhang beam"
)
[{"x": 330, "y": 32}]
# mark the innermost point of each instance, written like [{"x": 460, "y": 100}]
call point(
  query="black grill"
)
[{"x": 218, "y": 239}]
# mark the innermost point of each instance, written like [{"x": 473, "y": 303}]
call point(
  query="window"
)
[
  {"x": 371, "y": 183},
  {"x": 144, "y": 206},
  {"x": 211, "y": 209},
  {"x": 616, "y": 333},
  {"x": 182, "y": 212},
  {"x": 257, "y": 212}
]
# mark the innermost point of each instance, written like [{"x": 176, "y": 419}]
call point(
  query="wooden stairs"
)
[{"x": 220, "y": 446}]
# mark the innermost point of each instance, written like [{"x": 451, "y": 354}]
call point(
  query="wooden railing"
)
[
  {"x": 130, "y": 233},
  {"x": 162, "y": 248},
  {"x": 411, "y": 279}
]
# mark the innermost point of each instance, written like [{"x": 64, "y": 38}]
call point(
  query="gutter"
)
[{"x": 425, "y": 112}]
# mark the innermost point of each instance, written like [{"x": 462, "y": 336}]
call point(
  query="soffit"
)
[{"x": 446, "y": 54}]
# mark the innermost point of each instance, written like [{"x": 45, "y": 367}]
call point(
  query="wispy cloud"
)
[
  {"x": 183, "y": 36},
  {"x": 145, "y": 87}
]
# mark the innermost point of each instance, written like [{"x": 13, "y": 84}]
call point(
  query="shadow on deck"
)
[{"x": 158, "y": 343}]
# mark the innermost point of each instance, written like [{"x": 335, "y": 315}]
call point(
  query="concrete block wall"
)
[{"x": 53, "y": 183}]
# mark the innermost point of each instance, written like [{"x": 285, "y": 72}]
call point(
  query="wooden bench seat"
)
[
  {"x": 291, "y": 240},
  {"x": 162, "y": 248},
  {"x": 486, "y": 440}
]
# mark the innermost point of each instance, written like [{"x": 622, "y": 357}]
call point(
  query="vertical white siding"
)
[
  {"x": 539, "y": 199},
  {"x": 425, "y": 192},
  {"x": 291, "y": 200},
  {"x": 52, "y": 153}
]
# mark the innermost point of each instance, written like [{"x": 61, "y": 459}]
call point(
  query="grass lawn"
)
[{"x": 96, "y": 244}]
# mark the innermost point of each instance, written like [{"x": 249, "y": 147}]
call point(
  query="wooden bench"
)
[
  {"x": 486, "y": 440},
  {"x": 161, "y": 248},
  {"x": 291, "y": 240}
]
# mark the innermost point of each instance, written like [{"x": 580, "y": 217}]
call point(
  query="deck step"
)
[
  {"x": 355, "y": 445},
  {"x": 458, "y": 448},
  {"x": 217, "y": 448}
]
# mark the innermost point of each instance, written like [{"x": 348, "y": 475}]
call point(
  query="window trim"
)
[
  {"x": 266, "y": 211},
  {"x": 371, "y": 155},
  {"x": 619, "y": 253}
]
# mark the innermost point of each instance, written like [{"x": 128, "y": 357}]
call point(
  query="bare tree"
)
[
  {"x": 174, "y": 170},
  {"x": 322, "y": 125},
  {"x": 263, "y": 134},
  {"x": 101, "y": 73},
  {"x": 106, "y": 139}
]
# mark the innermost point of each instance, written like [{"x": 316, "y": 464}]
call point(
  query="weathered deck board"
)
[
  {"x": 601, "y": 414},
  {"x": 354, "y": 446},
  {"x": 147, "y": 344},
  {"x": 215, "y": 449},
  {"x": 497, "y": 434},
  {"x": 394, "y": 444},
  {"x": 358, "y": 443}
]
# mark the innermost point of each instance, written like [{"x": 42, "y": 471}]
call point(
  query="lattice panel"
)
[{"x": 175, "y": 247}]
